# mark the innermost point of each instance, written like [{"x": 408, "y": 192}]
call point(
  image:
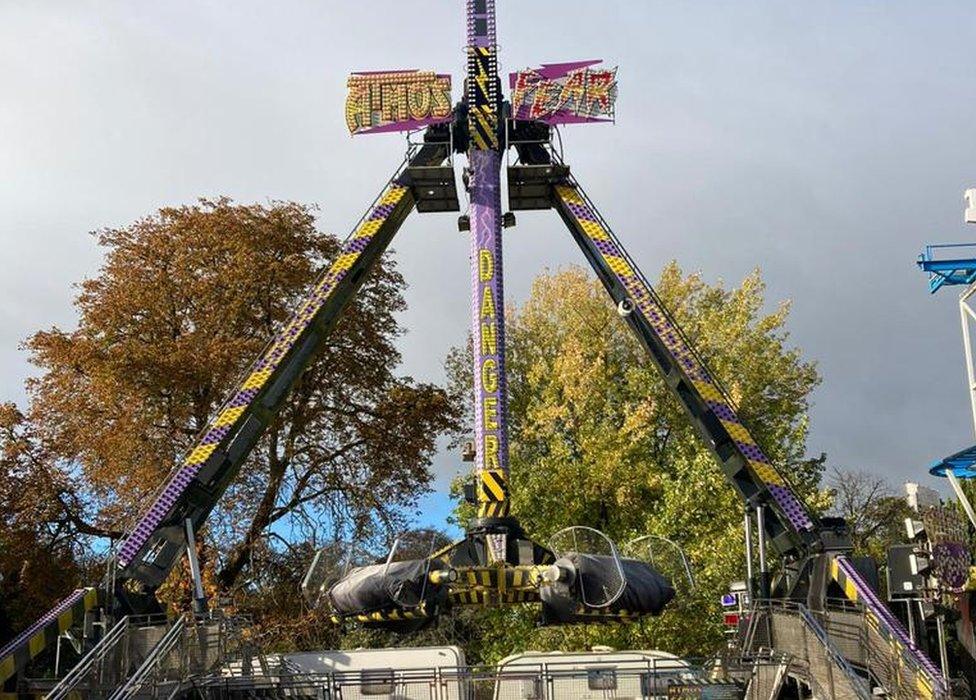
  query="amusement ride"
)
[{"x": 580, "y": 575}]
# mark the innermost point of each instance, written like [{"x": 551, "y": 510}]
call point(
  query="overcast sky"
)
[{"x": 823, "y": 142}]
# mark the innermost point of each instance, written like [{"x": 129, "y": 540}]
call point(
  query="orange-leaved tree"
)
[{"x": 185, "y": 299}]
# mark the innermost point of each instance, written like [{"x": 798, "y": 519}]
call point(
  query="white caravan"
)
[{"x": 592, "y": 675}]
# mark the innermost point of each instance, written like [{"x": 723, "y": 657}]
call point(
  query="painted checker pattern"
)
[
  {"x": 232, "y": 413},
  {"x": 483, "y": 96},
  {"x": 929, "y": 682},
  {"x": 588, "y": 221},
  {"x": 32, "y": 641}
]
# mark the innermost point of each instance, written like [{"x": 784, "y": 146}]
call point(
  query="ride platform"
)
[{"x": 948, "y": 264}]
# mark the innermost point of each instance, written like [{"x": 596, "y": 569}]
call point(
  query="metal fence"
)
[{"x": 571, "y": 680}]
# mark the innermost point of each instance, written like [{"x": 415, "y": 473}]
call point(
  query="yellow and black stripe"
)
[
  {"x": 600, "y": 615},
  {"x": 69, "y": 613},
  {"x": 493, "y": 493},
  {"x": 483, "y": 98},
  {"x": 387, "y": 615},
  {"x": 492, "y": 585}
]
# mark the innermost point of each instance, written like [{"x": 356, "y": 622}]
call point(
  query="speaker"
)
[{"x": 902, "y": 583}]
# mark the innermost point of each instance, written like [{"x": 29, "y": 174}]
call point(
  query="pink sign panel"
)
[
  {"x": 397, "y": 101},
  {"x": 564, "y": 93}
]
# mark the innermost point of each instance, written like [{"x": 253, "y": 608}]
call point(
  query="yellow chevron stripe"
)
[
  {"x": 7, "y": 668},
  {"x": 493, "y": 509},
  {"x": 479, "y": 141},
  {"x": 228, "y": 416},
  {"x": 738, "y": 432},
  {"x": 257, "y": 379},
  {"x": 594, "y": 230},
  {"x": 492, "y": 482},
  {"x": 618, "y": 265},
  {"x": 200, "y": 454},
  {"x": 767, "y": 473},
  {"x": 344, "y": 262},
  {"x": 708, "y": 391},
  {"x": 393, "y": 195},
  {"x": 368, "y": 228},
  {"x": 36, "y": 644},
  {"x": 65, "y": 619},
  {"x": 486, "y": 119},
  {"x": 569, "y": 194}
]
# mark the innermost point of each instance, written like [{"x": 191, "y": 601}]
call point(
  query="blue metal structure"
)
[
  {"x": 958, "y": 269},
  {"x": 962, "y": 464}
]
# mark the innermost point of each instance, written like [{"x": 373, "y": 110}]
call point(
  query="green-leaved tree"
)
[{"x": 598, "y": 440}]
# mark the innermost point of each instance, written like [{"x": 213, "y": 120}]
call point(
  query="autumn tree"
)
[
  {"x": 598, "y": 440},
  {"x": 185, "y": 299},
  {"x": 41, "y": 555}
]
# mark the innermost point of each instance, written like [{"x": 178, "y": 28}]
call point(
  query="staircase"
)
[
  {"x": 768, "y": 676},
  {"x": 840, "y": 652},
  {"x": 95, "y": 668},
  {"x": 791, "y": 629},
  {"x": 154, "y": 663},
  {"x": 148, "y": 657}
]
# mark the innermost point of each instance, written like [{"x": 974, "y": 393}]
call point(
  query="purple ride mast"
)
[{"x": 488, "y": 299}]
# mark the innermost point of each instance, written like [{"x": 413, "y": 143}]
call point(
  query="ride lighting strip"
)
[
  {"x": 231, "y": 416},
  {"x": 483, "y": 97},
  {"x": 32, "y": 641},
  {"x": 488, "y": 336}
]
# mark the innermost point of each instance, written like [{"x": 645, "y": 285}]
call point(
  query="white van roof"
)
[
  {"x": 569, "y": 658},
  {"x": 361, "y": 659}
]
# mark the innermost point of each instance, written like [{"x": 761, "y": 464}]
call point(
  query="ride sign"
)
[
  {"x": 564, "y": 93},
  {"x": 397, "y": 101}
]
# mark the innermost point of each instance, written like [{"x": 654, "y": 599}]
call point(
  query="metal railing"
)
[
  {"x": 852, "y": 639},
  {"x": 96, "y": 656},
  {"x": 649, "y": 679},
  {"x": 152, "y": 662},
  {"x": 816, "y": 671}
]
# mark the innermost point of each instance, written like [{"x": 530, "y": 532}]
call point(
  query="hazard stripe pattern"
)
[
  {"x": 483, "y": 98},
  {"x": 493, "y": 493},
  {"x": 68, "y": 613}
]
